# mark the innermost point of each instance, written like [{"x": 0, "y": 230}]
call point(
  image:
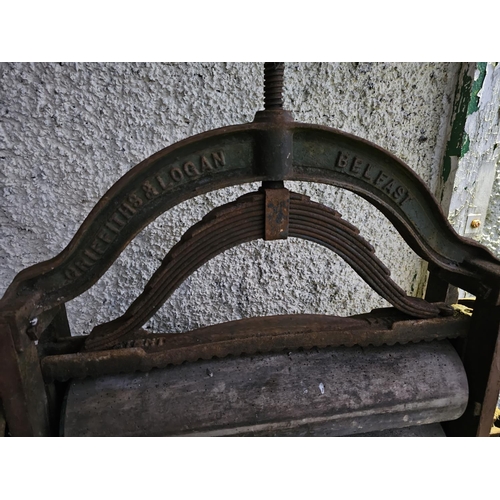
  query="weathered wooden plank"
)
[{"x": 340, "y": 390}]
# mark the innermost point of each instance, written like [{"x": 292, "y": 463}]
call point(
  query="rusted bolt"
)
[{"x": 475, "y": 223}]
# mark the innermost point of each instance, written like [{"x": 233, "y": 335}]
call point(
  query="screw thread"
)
[{"x": 273, "y": 85}]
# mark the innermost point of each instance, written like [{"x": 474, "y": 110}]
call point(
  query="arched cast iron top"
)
[{"x": 267, "y": 149}]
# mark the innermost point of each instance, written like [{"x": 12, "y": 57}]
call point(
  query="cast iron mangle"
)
[{"x": 42, "y": 365}]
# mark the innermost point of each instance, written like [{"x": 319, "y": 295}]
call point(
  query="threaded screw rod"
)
[{"x": 273, "y": 85}]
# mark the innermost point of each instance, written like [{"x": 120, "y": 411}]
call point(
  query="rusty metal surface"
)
[
  {"x": 252, "y": 335},
  {"x": 3, "y": 423},
  {"x": 271, "y": 149},
  {"x": 277, "y": 213},
  {"x": 231, "y": 156},
  {"x": 22, "y": 391},
  {"x": 481, "y": 358},
  {"x": 273, "y": 85},
  {"x": 252, "y": 216}
]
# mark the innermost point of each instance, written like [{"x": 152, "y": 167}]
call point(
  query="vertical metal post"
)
[
  {"x": 22, "y": 389},
  {"x": 481, "y": 359}
]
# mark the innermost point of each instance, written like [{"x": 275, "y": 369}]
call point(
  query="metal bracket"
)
[{"x": 277, "y": 213}]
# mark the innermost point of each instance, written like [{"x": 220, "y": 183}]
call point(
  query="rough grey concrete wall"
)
[{"x": 69, "y": 131}]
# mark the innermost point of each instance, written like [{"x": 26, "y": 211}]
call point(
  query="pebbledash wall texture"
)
[{"x": 68, "y": 131}]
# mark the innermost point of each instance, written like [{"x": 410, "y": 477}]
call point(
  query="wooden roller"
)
[{"x": 328, "y": 392}]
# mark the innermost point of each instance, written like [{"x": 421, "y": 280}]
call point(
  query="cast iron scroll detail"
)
[
  {"x": 245, "y": 220},
  {"x": 231, "y": 156}
]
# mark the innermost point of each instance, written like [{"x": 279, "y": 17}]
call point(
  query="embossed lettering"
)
[
  {"x": 400, "y": 192},
  {"x": 117, "y": 220},
  {"x": 91, "y": 254},
  {"x": 126, "y": 210},
  {"x": 341, "y": 161},
  {"x": 112, "y": 228},
  {"x": 380, "y": 179},
  {"x": 367, "y": 170},
  {"x": 176, "y": 174},
  {"x": 356, "y": 165},
  {"x": 405, "y": 199},
  {"x": 82, "y": 266},
  {"x": 205, "y": 164},
  {"x": 71, "y": 273},
  {"x": 104, "y": 236},
  {"x": 219, "y": 159},
  {"x": 190, "y": 169},
  {"x": 98, "y": 247},
  {"x": 135, "y": 200},
  {"x": 87, "y": 262},
  {"x": 149, "y": 190},
  {"x": 161, "y": 182},
  {"x": 389, "y": 185}
]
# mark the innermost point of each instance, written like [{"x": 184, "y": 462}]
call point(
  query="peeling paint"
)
[
  {"x": 460, "y": 110},
  {"x": 473, "y": 102},
  {"x": 491, "y": 94},
  {"x": 475, "y": 172}
]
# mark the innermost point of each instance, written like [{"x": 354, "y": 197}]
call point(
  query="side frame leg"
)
[
  {"x": 22, "y": 389},
  {"x": 481, "y": 359}
]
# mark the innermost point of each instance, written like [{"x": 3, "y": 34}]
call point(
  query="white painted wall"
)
[
  {"x": 485, "y": 127},
  {"x": 69, "y": 131},
  {"x": 471, "y": 187}
]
